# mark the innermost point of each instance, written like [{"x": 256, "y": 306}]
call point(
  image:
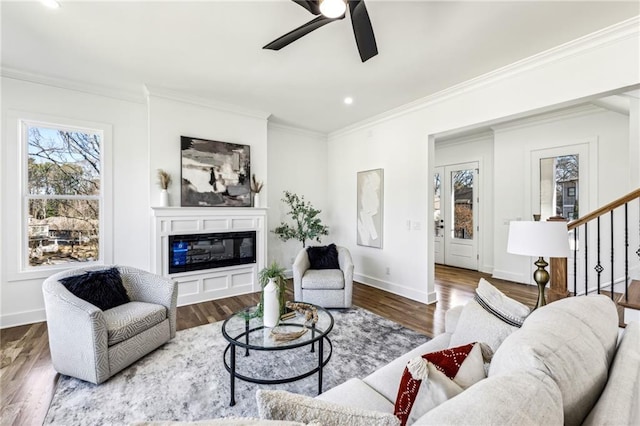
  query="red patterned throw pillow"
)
[{"x": 433, "y": 378}]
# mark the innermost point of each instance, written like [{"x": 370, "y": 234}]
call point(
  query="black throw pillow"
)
[
  {"x": 103, "y": 288},
  {"x": 323, "y": 257}
]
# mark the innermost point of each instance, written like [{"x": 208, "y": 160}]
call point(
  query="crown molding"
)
[
  {"x": 173, "y": 95},
  {"x": 61, "y": 83},
  {"x": 548, "y": 117},
  {"x": 617, "y": 32},
  {"x": 452, "y": 140},
  {"x": 297, "y": 130}
]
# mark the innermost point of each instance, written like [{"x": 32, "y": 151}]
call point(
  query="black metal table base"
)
[{"x": 233, "y": 374}]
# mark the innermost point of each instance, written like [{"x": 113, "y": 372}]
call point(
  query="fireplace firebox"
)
[{"x": 207, "y": 251}]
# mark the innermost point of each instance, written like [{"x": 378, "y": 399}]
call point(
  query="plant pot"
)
[{"x": 271, "y": 304}]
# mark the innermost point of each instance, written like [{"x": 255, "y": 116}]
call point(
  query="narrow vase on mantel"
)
[
  {"x": 256, "y": 200},
  {"x": 271, "y": 304},
  {"x": 164, "y": 198}
]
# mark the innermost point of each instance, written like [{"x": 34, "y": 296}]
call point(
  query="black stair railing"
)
[{"x": 582, "y": 250}]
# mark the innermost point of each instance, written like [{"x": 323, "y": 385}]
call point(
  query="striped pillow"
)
[{"x": 497, "y": 303}]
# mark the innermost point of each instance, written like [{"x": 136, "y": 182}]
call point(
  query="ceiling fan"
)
[{"x": 329, "y": 11}]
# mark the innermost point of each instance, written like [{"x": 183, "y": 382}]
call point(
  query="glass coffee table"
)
[{"x": 243, "y": 330}]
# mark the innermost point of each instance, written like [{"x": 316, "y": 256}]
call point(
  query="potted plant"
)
[
  {"x": 306, "y": 223},
  {"x": 273, "y": 273}
]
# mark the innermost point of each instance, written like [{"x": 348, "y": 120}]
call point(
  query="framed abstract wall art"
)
[
  {"x": 214, "y": 174},
  {"x": 370, "y": 207}
]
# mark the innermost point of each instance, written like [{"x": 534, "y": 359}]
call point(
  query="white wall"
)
[
  {"x": 21, "y": 292},
  {"x": 297, "y": 162},
  {"x": 464, "y": 150},
  {"x": 171, "y": 116},
  {"x": 397, "y": 141},
  {"x": 607, "y": 135},
  {"x": 405, "y": 174},
  {"x": 144, "y": 138}
]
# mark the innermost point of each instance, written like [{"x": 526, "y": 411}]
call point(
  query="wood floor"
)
[{"x": 27, "y": 379}]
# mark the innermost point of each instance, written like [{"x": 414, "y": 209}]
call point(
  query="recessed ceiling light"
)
[
  {"x": 348, "y": 100},
  {"x": 52, "y": 4}
]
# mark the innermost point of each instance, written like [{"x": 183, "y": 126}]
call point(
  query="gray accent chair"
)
[
  {"x": 93, "y": 345},
  {"x": 329, "y": 288}
]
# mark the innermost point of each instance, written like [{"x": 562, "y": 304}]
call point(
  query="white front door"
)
[{"x": 459, "y": 215}]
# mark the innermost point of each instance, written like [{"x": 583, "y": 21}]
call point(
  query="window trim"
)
[{"x": 20, "y": 269}]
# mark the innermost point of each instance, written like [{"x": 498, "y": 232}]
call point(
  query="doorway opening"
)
[{"x": 456, "y": 215}]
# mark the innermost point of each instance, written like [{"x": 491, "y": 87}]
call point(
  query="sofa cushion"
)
[
  {"x": 386, "y": 380},
  {"x": 323, "y": 257},
  {"x": 496, "y": 302},
  {"x": 618, "y": 404},
  {"x": 283, "y": 405},
  {"x": 102, "y": 288},
  {"x": 523, "y": 398},
  {"x": 326, "y": 279},
  {"x": 125, "y": 321},
  {"x": 431, "y": 379},
  {"x": 356, "y": 393},
  {"x": 572, "y": 341},
  {"x": 476, "y": 324}
]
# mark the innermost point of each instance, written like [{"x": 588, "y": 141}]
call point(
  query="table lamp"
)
[{"x": 540, "y": 239}]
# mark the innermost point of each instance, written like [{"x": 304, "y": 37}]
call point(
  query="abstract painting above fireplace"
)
[{"x": 215, "y": 174}]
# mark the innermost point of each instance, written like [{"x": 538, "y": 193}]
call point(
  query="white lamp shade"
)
[{"x": 541, "y": 239}]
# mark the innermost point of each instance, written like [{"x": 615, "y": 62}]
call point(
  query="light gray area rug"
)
[{"x": 186, "y": 380}]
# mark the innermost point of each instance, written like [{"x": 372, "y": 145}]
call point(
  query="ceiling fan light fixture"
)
[{"x": 333, "y": 8}]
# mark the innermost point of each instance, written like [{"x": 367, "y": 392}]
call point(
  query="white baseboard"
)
[
  {"x": 400, "y": 290},
  {"x": 22, "y": 318},
  {"x": 509, "y": 276}
]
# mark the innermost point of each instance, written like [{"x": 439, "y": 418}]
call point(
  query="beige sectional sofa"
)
[{"x": 565, "y": 365}]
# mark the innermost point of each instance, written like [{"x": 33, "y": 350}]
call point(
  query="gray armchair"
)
[
  {"x": 92, "y": 344},
  {"x": 329, "y": 288}
]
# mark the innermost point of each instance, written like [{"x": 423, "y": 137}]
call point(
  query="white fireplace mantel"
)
[{"x": 199, "y": 286}]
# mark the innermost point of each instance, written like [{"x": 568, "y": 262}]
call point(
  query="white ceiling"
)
[{"x": 213, "y": 49}]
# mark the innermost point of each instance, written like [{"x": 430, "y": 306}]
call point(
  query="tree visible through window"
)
[{"x": 63, "y": 194}]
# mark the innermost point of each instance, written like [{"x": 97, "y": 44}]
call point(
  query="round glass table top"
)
[{"x": 246, "y": 330}]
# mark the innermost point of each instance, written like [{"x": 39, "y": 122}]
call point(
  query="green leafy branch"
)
[{"x": 306, "y": 223}]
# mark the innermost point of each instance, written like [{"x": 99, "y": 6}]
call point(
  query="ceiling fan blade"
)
[
  {"x": 303, "y": 30},
  {"x": 311, "y": 5},
  {"x": 362, "y": 30}
]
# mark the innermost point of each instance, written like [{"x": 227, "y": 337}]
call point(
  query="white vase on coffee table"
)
[{"x": 271, "y": 304}]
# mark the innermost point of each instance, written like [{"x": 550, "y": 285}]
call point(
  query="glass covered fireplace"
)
[{"x": 207, "y": 251}]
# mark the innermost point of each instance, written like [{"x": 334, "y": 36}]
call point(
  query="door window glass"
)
[
  {"x": 462, "y": 197},
  {"x": 559, "y": 189}
]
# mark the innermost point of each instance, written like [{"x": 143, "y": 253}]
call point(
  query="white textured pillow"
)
[
  {"x": 283, "y": 405},
  {"x": 493, "y": 300},
  {"x": 476, "y": 324}
]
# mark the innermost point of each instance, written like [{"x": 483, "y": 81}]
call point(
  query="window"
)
[
  {"x": 559, "y": 176},
  {"x": 62, "y": 194}
]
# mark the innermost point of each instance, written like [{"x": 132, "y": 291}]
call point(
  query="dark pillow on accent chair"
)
[
  {"x": 323, "y": 257},
  {"x": 102, "y": 288}
]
